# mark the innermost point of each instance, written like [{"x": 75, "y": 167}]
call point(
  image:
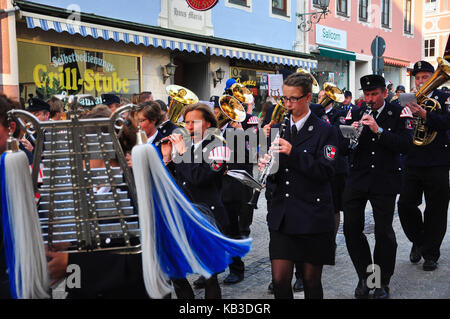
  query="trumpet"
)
[{"x": 354, "y": 140}]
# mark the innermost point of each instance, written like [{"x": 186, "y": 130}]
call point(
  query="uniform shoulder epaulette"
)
[
  {"x": 406, "y": 112},
  {"x": 254, "y": 120}
]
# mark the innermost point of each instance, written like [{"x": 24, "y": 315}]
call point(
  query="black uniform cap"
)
[
  {"x": 37, "y": 104},
  {"x": 422, "y": 66},
  {"x": 372, "y": 81}
]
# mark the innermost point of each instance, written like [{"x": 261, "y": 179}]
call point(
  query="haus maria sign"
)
[
  {"x": 201, "y": 5},
  {"x": 331, "y": 37}
]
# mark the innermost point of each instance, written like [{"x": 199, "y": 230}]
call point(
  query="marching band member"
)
[
  {"x": 300, "y": 217},
  {"x": 375, "y": 176},
  {"x": 149, "y": 117},
  {"x": 427, "y": 173},
  {"x": 199, "y": 178}
]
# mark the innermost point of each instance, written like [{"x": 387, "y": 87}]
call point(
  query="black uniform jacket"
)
[
  {"x": 233, "y": 190},
  {"x": 201, "y": 181},
  {"x": 437, "y": 153},
  {"x": 375, "y": 163},
  {"x": 301, "y": 201}
]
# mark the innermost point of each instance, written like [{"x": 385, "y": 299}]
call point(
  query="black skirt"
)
[{"x": 316, "y": 249}]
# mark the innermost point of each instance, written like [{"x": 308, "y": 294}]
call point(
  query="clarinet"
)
[
  {"x": 262, "y": 178},
  {"x": 355, "y": 141}
]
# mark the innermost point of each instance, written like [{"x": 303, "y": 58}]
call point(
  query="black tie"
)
[
  {"x": 374, "y": 114},
  {"x": 294, "y": 131}
]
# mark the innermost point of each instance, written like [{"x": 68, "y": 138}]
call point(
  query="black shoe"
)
[
  {"x": 415, "y": 255},
  {"x": 362, "y": 291},
  {"x": 381, "y": 293},
  {"x": 429, "y": 265},
  {"x": 233, "y": 279},
  {"x": 298, "y": 285},
  {"x": 270, "y": 288},
  {"x": 200, "y": 282}
]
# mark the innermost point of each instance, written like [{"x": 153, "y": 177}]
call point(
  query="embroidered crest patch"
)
[{"x": 330, "y": 152}]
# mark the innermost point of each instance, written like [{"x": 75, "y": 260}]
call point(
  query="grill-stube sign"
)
[{"x": 201, "y": 5}]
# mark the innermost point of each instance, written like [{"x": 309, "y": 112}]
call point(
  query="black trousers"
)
[
  {"x": 427, "y": 232},
  {"x": 234, "y": 231},
  {"x": 357, "y": 245}
]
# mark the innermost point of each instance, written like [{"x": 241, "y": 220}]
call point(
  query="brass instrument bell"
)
[
  {"x": 230, "y": 110},
  {"x": 180, "y": 98},
  {"x": 332, "y": 93},
  {"x": 315, "y": 84},
  {"x": 241, "y": 93}
]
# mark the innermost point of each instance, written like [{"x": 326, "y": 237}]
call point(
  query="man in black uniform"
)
[
  {"x": 375, "y": 175},
  {"x": 236, "y": 195},
  {"x": 200, "y": 178},
  {"x": 347, "y": 104},
  {"x": 427, "y": 174}
]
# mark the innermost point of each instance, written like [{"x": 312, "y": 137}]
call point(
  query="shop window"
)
[
  {"x": 279, "y": 7},
  {"x": 430, "y": 45},
  {"x": 385, "y": 13},
  {"x": 407, "y": 17},
  {"x": 342, "y": 7},
  {"x": 363, "y": 10},
  {"x": 95, "y": 66}
]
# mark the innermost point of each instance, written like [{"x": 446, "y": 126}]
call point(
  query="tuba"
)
[
  {"x": 332, "y": 94},
  {"x": 315, "y": 84},
  {"x": 424, "y": 135},
  {"x": 241, "y": 93},
  {"x": 181, "y": 97},
  {"x": 230, "y": 110}
]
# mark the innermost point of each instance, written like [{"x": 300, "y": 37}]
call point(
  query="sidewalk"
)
[{"x": 339, "y": 281}]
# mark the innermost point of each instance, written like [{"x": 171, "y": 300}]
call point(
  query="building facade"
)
[
  {"x": 343, "y": 40},
  {"x": 436, "y": 29},
  {"x": 93, "y": 48}
]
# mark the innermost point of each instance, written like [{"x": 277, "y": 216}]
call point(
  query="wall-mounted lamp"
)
[
  {"x": 168, "y": 70},
  {"x": 314, "y": 17},
  {"x": 218, "y": 76}
]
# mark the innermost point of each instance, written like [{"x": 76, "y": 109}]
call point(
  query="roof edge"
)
[{"x": 111, "y": 22}]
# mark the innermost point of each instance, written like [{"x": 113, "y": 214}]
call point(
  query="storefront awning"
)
[
  {"x": 109, "y": 33},
  {"x": 260, "y": 56},
  {"x": 337, "y": 54},
  {"x": 117, "y": 30},
  {"x": 396, "y": 62}
]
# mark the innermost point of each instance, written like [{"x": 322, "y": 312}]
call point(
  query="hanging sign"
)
[
  {"x": 275, "y": 85},
  {"x": 201, "y": 5}
]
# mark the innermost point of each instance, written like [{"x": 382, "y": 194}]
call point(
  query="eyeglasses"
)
[{"x": 293, "y": 99}]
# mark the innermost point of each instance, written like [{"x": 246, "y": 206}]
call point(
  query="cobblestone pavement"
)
[{"x": 339, "y": 281}]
